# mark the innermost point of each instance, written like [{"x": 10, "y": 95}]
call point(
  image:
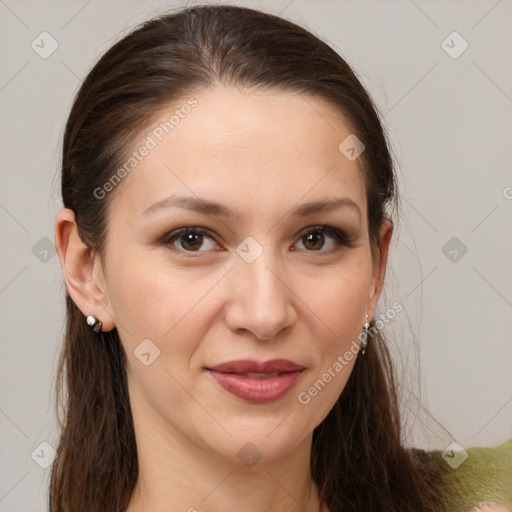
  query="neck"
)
[{"x": 175, "y": 474}]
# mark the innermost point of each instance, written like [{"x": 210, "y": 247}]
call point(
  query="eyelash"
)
[{"x": 340, "y": 237}]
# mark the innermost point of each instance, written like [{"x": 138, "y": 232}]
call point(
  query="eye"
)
[
  {"x": 190, "y": 239},
  {"x": 314, "y": 238}
]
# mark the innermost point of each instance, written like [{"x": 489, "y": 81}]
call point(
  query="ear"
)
[
  {"x": 379, "y": 265},
  {"x": 82, "y": 270}
]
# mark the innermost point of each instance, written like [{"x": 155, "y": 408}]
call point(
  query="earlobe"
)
[
  {"x": 79, "y": 267},
  {"x": 379, "y": 267}
]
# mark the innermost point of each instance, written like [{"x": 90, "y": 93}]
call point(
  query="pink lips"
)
[{"x": 258, "y": 382}]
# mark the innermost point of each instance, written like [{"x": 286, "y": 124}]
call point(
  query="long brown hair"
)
[{"x": 358, "y": 460}]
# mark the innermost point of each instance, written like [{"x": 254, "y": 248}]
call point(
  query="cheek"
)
[
  {"x": 339, "y": 307},
  {"x": 340, "y": 300},
  {"x": 138, "y": 301},
  {"x": 153, "y": 300},
  {"x": 155, "y": 308},
  {"x": 341, "y": 304}
]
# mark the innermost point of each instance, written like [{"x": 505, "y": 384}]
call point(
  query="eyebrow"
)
[{"x": 206, "y": 207}]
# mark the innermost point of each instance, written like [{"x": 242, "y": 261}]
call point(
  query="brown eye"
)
[
  {"x": 314, "y": 241},
  {"x": 316, "y": 238},
  {"x": 190, "y": 240}
]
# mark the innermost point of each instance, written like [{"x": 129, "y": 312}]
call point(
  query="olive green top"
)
[{"x": 484, "y": 476}]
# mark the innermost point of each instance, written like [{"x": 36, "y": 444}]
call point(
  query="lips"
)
[
  {"x": 257, "y": 382},
  {"x": 251, "y": 366}
]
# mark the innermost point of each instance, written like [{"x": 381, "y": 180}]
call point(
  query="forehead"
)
[{"x": 234, "y": 145}]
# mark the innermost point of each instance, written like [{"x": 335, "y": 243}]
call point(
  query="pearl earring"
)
[
  {"x": 364, "y": 336},
  {"x": 94, "y": 323}
]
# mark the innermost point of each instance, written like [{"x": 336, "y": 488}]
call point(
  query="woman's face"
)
[{"x": 253, "y": 279}]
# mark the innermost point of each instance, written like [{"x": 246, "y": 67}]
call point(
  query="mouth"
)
[
  {"x": 258, "y": 375},
  {"x": 257, "y": 382}
]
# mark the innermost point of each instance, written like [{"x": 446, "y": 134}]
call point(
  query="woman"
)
[{"x": 227, "y": 191}]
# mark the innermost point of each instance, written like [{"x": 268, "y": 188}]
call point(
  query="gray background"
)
[{"x": 449, "y": 121}]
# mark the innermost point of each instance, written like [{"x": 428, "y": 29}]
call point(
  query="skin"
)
[{"x": 261, "y": 153}]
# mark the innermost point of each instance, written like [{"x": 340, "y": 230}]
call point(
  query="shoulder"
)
[{"x": 477, "y": 479}]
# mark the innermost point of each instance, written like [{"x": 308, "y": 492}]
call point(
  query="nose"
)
[{"x": 261, "y": 299}]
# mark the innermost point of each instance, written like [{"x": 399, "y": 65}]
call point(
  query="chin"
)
[{"x": 259, "y": 445}]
